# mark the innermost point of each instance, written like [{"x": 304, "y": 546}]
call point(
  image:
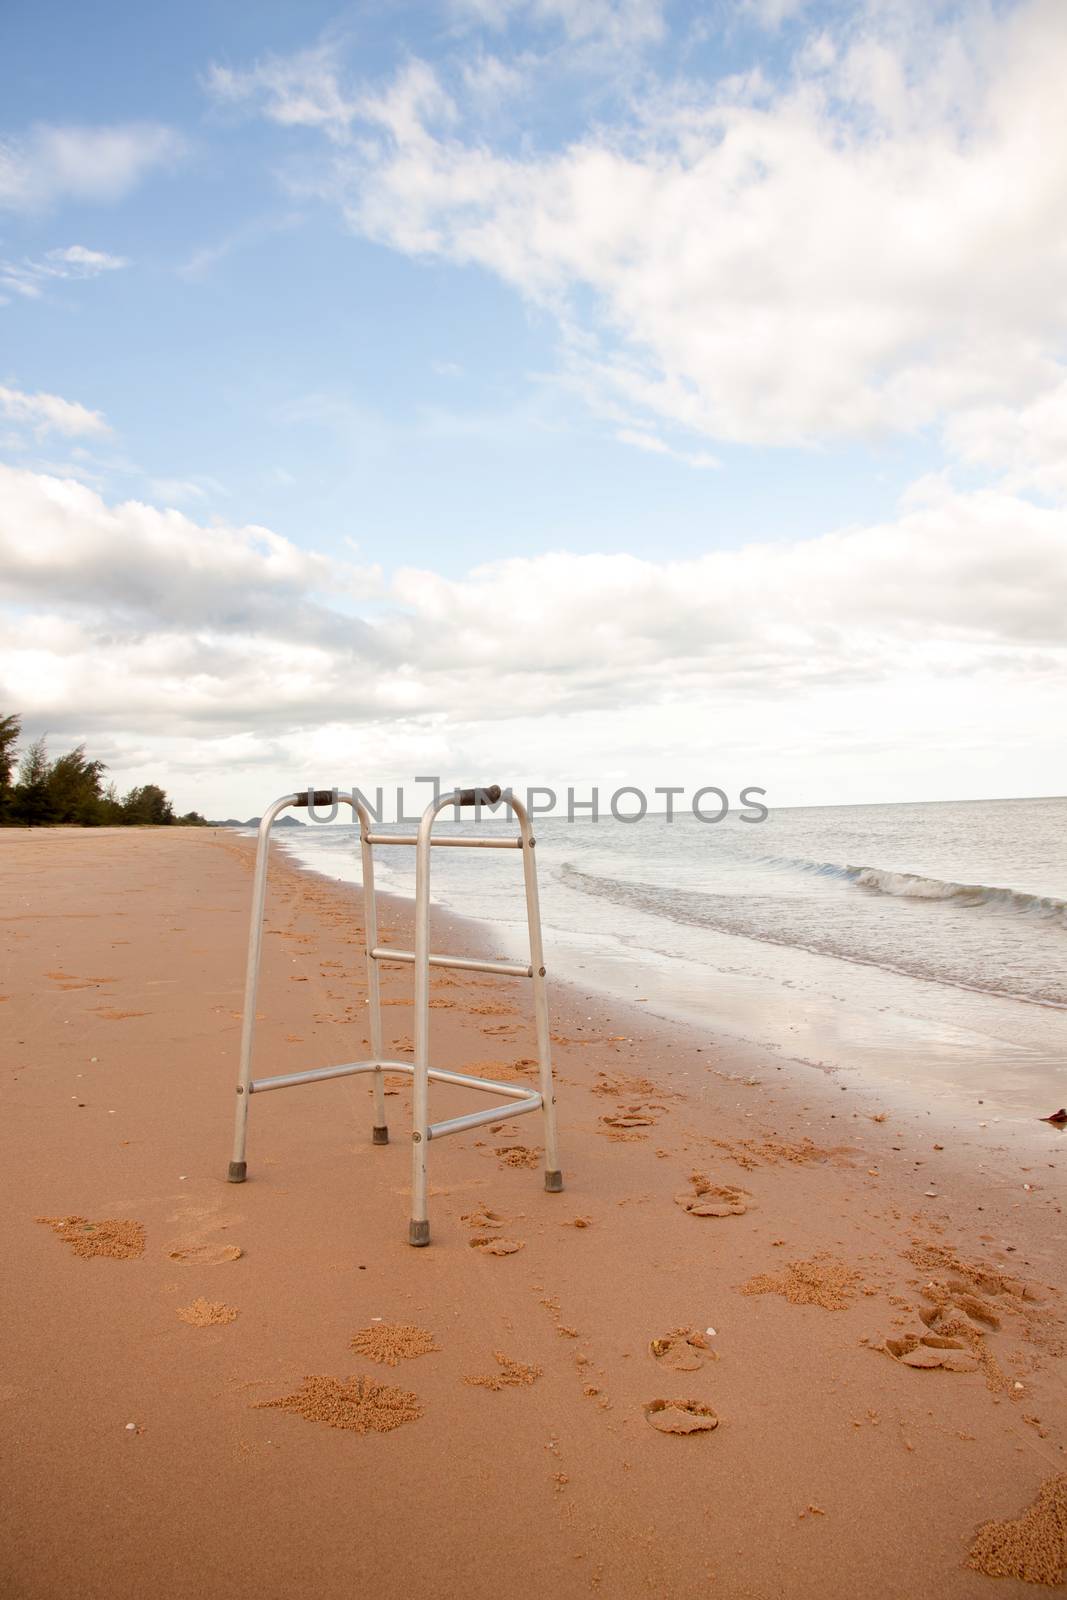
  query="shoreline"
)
[
  {"x": 955, "y": 1111},
  {"x": 835, "y": 1468}
]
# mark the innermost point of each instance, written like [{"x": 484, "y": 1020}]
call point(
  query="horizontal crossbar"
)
[
  {"x": 456, "y": 844},
  {"x": 510, "y": 969},
  {"x": 316, "y": 1075},
  {"x": 437, "y": 1074},
  {"x": 476, "y": 1119}
]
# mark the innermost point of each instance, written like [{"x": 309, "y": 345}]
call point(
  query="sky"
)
[{"x": 537, "y": 391}]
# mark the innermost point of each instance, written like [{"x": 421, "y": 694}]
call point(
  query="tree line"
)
[{"x": 37, "y": 791}]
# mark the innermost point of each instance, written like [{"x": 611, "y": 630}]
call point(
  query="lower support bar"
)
[
  {"x": 437, "y": 1074},
  {"x": 316, "y": 1075},
  {"x": 509, "y": 969},
  {"x": 476, "y": 1119}
]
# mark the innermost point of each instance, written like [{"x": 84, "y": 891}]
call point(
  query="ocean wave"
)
[
  {"x": 764, "y": 919},
  {"x": 915, "y": 886}
]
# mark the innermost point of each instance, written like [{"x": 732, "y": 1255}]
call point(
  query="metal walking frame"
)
[{"x": 518, "y": 1101}]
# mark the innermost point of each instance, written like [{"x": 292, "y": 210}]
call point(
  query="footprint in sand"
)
[
  {"x": 491, "y": 1244},
  {"x": 682, "y": 1350},
  {"x": 931, "y": 1351},
  {"x": 623, "y": 1085},
  {"x": 68, "y": 980},
  {"x": 714, "y": 1200},
  {"x": 681, "y": 1416},
  {"x": 634, "y": 1118},
  {"x": 483, "y": 1218},
  {"x": 205, "y": 1255},
  {"x": 957, "y": 1296},
  {"x": 504, "y": 1071}
]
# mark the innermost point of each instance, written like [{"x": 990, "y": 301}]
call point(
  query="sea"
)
[{"x": 919, "y": 947}]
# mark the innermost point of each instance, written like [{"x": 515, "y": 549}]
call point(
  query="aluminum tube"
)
[
  {"x": 419, "y": 1226},
  {"x": 509, "y": 969},
  {"x": 316, "y": 1075},
  {"x": 477, "y": 1119},
  {"x": 465, "y": 844},
  {"x": 237, "y": 1171},
  {"x": 380, "y": 1132},
  {"x": 540, "y": 998},
  {"x": 438, "y": 1075},
  {"x": 248, "y": 1016}
]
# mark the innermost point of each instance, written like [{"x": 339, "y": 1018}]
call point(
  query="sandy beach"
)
[{"x": 736, "y": 1238}]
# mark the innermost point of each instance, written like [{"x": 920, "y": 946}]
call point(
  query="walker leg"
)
[
  {"x": 239, "y": 1166},
  {"x": 553, "y": 1175},
  {"x": 419, "y": 1229},
  {"x": 380, "y": 1131},
  {"x": 238, "y": 1170}
]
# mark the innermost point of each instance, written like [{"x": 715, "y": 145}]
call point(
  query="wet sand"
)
[{"x": 507, "y": 1434}]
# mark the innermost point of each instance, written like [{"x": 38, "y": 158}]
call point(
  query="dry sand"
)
[{"x": 260, "y": 1457}]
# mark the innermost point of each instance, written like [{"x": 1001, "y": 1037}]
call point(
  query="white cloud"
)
[
  {"x": 50, "y": 413},
  {"x": 872, "y": 244},
  {"x": 59, "y": 541},
  {"x": 296, "y": 91},
  {"x": 230, "y": 660},
  {"x": 128, "y": 616},
  {"x": 174, "y": 491},
  {"x": 617, "y": 22},
  {"x": 489, "y": 80},
  {"x": 1027, "y": 444},
  {"x": 75, "y": 260},
  {"x": 21, "y": 278},
  {"x": 30, "y": 278},
  {"x": 654, "y": 445},
  {"x": 771, "y": 14},
  {"x": 98, "y": 164}
]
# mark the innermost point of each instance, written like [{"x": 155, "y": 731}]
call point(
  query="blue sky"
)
[
  {"x": 319, "y": 383},
  {"x": 424, "y": 288}
]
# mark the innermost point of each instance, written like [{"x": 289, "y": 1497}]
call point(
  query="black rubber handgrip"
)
[
  {"x": 321, "y": 797},
  {"x": 478, "y": 797}
]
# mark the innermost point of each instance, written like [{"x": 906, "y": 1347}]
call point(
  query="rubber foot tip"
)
[
  {"x": 238, "y": 1171},
  {"x": 554, "y": 1182},
  {"x": 418, "y": 1233},
  {"x": 379, "y": 1136}
]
